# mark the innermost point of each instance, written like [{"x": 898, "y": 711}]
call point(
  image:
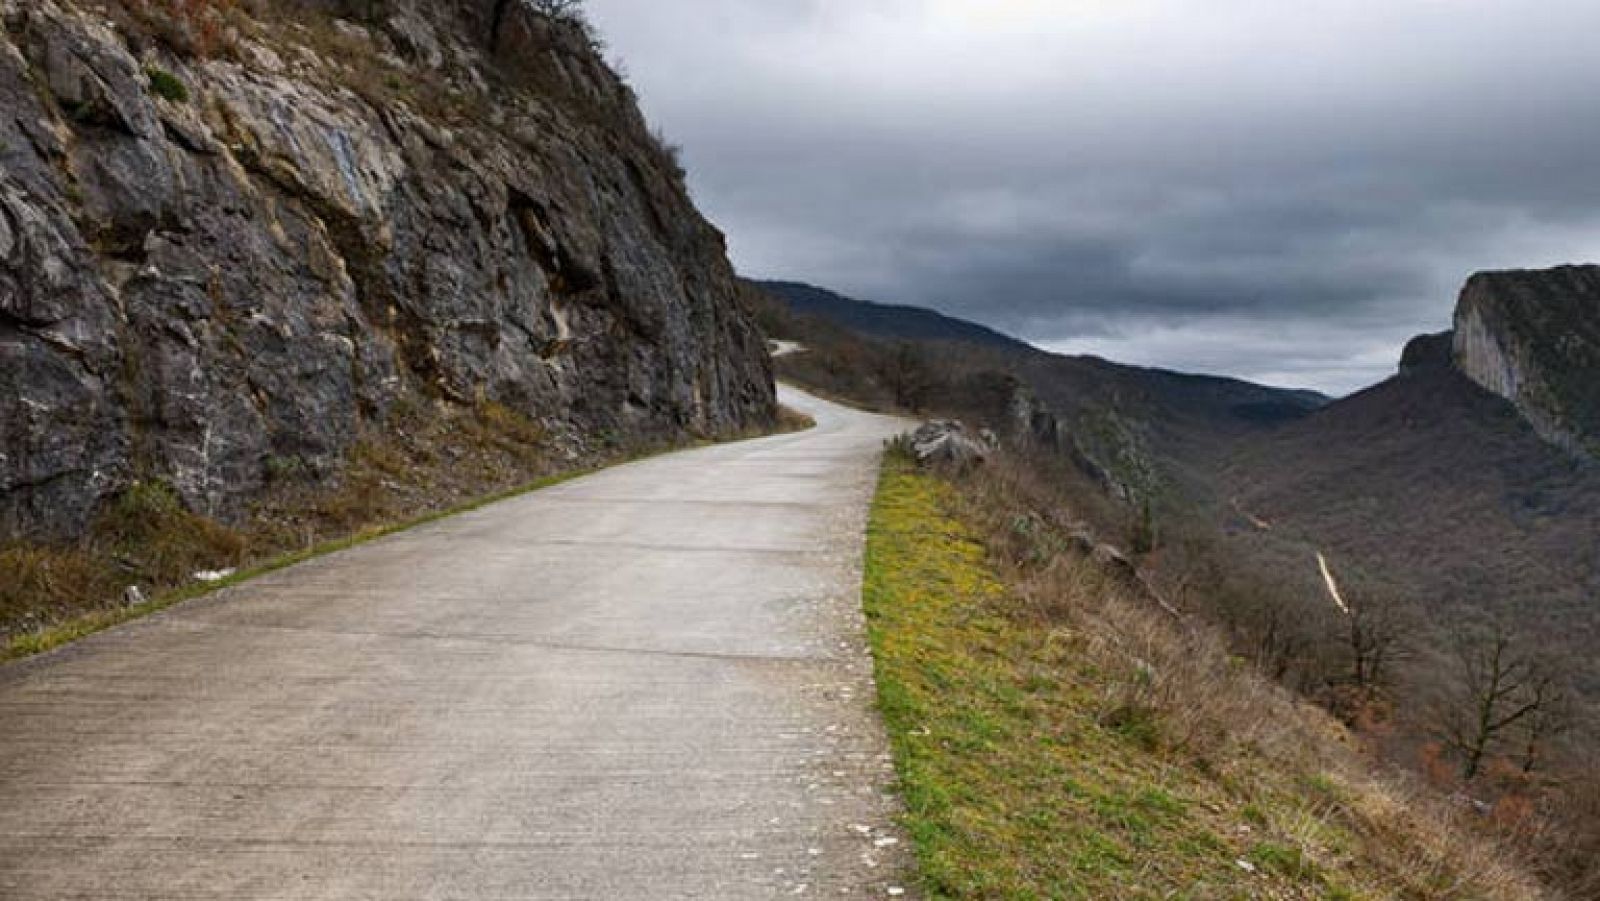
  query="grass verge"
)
[{"x": 1054, "y": 740}]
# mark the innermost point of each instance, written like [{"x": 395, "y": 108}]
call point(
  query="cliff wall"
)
[
  {"x": 1533, "y": 337},
  {"x": 232, "y": 242}
]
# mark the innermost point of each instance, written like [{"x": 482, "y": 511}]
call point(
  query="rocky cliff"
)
[
  {"x": 1426, "y": 353},
  {"x": 234, "y": 237},
  {"x": 1533, "y": 337}
]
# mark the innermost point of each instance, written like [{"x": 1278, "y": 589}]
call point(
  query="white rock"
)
[{"x": 947, "y": 442}]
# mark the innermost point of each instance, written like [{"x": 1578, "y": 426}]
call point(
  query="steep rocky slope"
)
[
  {"x": 1533, "y": 337},
  {"x": 234, "y": 242}
]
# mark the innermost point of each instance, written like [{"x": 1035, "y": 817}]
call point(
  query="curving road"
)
[{"x": 648, "y": 683}]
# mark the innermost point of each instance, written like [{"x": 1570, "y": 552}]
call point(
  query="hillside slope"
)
[
  {"x": 1462, "y": 485},
  {"x": 235, "y": 245},
  {"x": 1148, "y": 434},
  {"x": 1442, "y": 492}
]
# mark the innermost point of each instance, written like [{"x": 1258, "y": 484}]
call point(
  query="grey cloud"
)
[{"x": 1283, "y": 191}]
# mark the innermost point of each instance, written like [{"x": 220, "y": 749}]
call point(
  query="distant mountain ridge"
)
[
  {"x": 878, "y": 320},
  {"x": 903, "y": 322},
  {"x": 1143, "y": 431}
]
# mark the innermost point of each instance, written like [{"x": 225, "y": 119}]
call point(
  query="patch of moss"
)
[{"x": 166, "y": 85}]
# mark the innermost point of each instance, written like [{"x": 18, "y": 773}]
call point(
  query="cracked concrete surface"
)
[{"x": 648, "y": 683}]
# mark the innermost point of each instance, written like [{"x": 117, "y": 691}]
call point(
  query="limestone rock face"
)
[
  {"x": 457, "y": 202},
  {"x": 1533, "y": 337}
]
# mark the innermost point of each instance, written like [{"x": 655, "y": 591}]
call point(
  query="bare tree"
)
[
  {"x": 1373, "y": 639},
  {"x": 1282, "y": 641},
  {"x": 1548, "y": 721},
  {"x": 908, "y": 375},
  {"x": 1269, "y": 627},
  {"x": 1190, "y": 569},
  {"x": 1498, "y": 688}
]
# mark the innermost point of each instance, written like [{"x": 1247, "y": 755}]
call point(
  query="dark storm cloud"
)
[{"x": 1285, "y": 192}]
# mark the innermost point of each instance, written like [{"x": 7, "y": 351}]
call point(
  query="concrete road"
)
[{"x": 648, "y": 683}]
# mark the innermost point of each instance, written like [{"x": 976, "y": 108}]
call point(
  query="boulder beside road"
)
[{"x": 945, "y": 442}]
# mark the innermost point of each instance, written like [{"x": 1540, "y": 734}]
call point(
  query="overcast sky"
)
[{"x": 1283, "y": 191}]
